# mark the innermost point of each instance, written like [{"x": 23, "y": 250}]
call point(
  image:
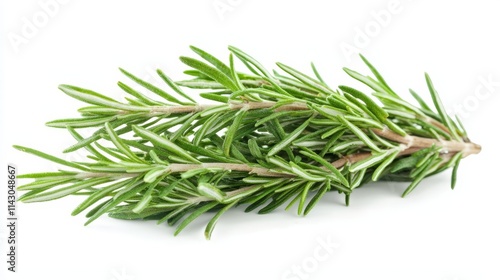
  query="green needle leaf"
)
[
  {"x": 303, "y": 197},
  {"x": 164, "y": 143},
  {"x": 213, "y": 60},
  {"x": 304, "y": 174},
  {"x": 212, "y": 72},
  {"x": 49, "y": 157},
  {"x": 337, "y": 175},
  {"x": 95, "y": 98},
  {"x": 305, "y": 79},
  {"x": 154, "y": 173},
  {"x": 439, "y": 107},
  {"x": 148, "y": 196},
  {"x": 374, "y": 108},
  {"x": 317, "y": 197},
  {"x": 173, "y": 85},
  {"x": 380, "y": 169},
  {"x": 44, "y": 184},
  {"x": 118, "y": 198},
  {"x": 316, "y": 73},
  {"x": 420, "y": 101},
  {"x": 47, "y": 175},
  {"x": 100, "y": 194},
  {"x": 365, "y": 80},
  {"x": 455, "y": 170},
  {"x": 88, "y": 147},
  {"x": 80, "y": 123},
  {"x": 141, "y": 97},
  {"x": 51, "y": 195},
  {"x": 231, "y": 132},
  {"x": 419, "y": 177},
  {"x": 368, "y": 162},
  {"x": 378, "y": 76},
  {"x": 211, "y": 191},
  {"x": 250, "y": 60},
  {"x": 254, "y": 148},
  {"x": 288, "y": 139},
  {"x": 211, "y": 225},
  {"x": 152, "y": 88},
  {"x": 234, "y": 75},
  {"x": 360, "y": 134},
  {"x": 195, "y": 215},
  {"x": 200, "y": 84},
  {"x": 120, "y": 145}
]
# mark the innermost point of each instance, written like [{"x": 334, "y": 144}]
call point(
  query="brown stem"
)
[
  {"x": 361, "y": 156},
  {"x": 260, "y": 171},
  {"x": 184, "y": 167},
  {"x": 413, "y": 144},
  {"x": 437, "y": 124},
  {"x": 467, "y": 148},
  {"x": 232, "y": 106}
]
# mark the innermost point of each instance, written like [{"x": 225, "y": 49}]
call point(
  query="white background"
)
[{"x": 434, "y": 233}]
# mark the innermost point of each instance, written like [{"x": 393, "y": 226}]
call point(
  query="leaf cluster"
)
[{"x": 270, "y": 139}]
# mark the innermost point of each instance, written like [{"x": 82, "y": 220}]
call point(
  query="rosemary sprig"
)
[{"x": 269, "y": 139}]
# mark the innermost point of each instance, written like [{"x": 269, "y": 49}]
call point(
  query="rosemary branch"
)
[
  {"x": 232, "y": 106},
  {"x": 272, "y": 139}
]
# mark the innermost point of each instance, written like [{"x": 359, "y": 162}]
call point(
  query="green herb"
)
[{"x": 272, "y": 139}]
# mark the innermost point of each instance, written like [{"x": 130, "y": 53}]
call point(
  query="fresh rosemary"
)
[{"x": 271, "y": 138}]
